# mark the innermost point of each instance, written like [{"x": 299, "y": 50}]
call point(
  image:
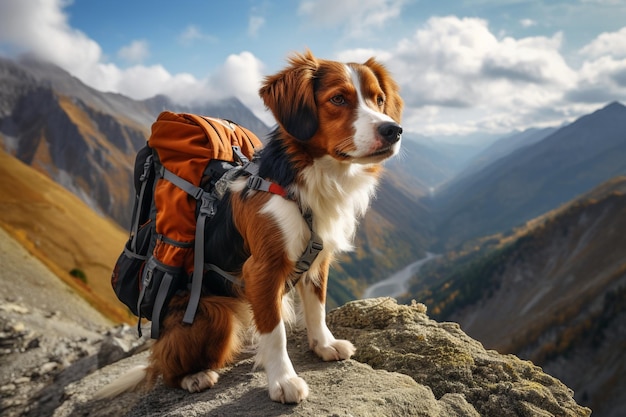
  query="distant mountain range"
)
[
  {"x": 533, "y": 179},
  {"x": 84, "y": 139}
]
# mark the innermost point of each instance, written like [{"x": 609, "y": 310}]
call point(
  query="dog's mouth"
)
[
  {"x": 342, "y": 155},
  {"x": 382, "y": 152}
]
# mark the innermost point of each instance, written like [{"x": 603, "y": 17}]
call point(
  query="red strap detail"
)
[{"x": 277, "y": 189}]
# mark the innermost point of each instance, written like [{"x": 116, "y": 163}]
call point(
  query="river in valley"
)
[{"x": 398, "y": 283}]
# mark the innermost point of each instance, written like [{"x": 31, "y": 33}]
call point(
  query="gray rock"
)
[
  {"x": 119, "y": 343},
  {"x": 411, "y": 366}
]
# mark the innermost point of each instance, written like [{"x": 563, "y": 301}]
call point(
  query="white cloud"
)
[
  {"x": 357, "y": 16},
  {"x": 255, "y": 23},
  {"x": 608, "y": 43},
  {"x": 483, "y": 80},
  {"x": 528, "y": 23},
  {"x": 240, "y": 76},
  {"x": 41, "y": 27},
  {"x": 456, "y": 75},
  {"x": 135, "y": 52},
  {"x": 192, "y": 33}
]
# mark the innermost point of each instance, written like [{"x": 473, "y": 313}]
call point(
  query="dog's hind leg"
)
[
  {"x": 188, "y": 355},
  {"x": 312, "y": 290}
]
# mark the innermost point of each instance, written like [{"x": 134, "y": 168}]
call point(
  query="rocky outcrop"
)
[
  {"x": 56, "y": 351},
  {"x": 406, "y": 364},
  {"x": 442, "y": 357}
]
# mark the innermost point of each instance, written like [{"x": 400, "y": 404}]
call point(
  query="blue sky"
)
[{"x": 464, "y": 66}]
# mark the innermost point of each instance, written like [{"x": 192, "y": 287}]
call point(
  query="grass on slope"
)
[{"x": 63, "y": 232}]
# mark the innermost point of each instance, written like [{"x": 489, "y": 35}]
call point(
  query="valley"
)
[{"x": 397, "y": 284}]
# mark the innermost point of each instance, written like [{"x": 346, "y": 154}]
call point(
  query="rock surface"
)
[
  {"x": 406, "y": 364},
  {"x": 55, "y": 353}
]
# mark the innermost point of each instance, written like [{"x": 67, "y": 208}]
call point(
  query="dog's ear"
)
[
  {"x": 393, "y": 101},
  {"x": 290, "y": 96}
]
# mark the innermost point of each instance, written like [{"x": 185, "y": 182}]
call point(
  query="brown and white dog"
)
[{"x": 336, "y": 123}]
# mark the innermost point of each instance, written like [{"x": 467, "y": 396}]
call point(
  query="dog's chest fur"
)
[{"x": 338, "y": 195}]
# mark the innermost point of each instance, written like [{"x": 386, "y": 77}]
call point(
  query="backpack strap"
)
[
  {"x": 255, "y": 182},
  {"x": 313, "y": 248},
  {"x": 207, "y": 210},
  {"x": 134, "y": 228},
  {"x": 159, "y": 304}
]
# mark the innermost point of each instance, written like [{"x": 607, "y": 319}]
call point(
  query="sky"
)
[{"x": 465, "y": 67}]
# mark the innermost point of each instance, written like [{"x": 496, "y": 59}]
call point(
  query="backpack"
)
[{"x": 178, "y": 179}]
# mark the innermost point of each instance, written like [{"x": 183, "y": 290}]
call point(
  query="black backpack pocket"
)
[
  {"x": 127, "y": 274},
  {"x": 159, "y": 282}
]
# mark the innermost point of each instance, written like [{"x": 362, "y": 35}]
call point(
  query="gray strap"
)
[
  {"x": 145, "y": 282},
  {"x": 207, "y": 209},
  {"x": 159, "y": 303},
  {"x": 257, "y": 183},
  {"x": 134, "y": 254},
  {"x": 313, "y": 248},
  {"x": 252, "y": 168},
  {"x": 198, "y": 269},
  {"x": 134, "y": 228},
  {"x": 194, "y": 191},
  {"x": 234, "y": 280}
]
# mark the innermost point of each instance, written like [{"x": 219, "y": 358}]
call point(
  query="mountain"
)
[
  {"x": 534, "y": 179},
  {"x": 82, "y": 138},
  {"x": 230, "y": 108},
  {"x": 424, "y": 164},
  {"x": 503, "y": 147},
  {"x": 553, "y": 291}
]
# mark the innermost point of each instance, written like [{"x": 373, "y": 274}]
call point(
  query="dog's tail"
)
[{"x": 127, "y": 382}]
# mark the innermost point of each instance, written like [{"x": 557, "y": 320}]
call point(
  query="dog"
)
[{"x": 337, "y": 122}]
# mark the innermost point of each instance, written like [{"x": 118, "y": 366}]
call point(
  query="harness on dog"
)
[
  {"x": 186, "y": 155},
  {"x": 208, "y": 210}
]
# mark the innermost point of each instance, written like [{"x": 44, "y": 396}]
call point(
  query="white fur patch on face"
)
[{"x": 366, "y": 123}]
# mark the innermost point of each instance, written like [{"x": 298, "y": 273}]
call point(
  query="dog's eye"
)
[
  {"x": 338, "y": 100},
  {"x": 380, "y": 100}
]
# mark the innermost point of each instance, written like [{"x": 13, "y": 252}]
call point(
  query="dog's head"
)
[{"x": 350, "y": 112}]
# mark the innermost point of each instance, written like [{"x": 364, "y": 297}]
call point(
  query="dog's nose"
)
[{"x": 390, "y": 132}]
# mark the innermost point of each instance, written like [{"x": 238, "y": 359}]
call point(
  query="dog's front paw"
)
[
  {"x": 199, "y": 381},
  {"x": 336, "y": 350},
  {"x": 289, "y": 390}
]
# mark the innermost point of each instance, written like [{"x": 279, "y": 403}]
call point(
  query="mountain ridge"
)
[{"x": 535, "y": 179}]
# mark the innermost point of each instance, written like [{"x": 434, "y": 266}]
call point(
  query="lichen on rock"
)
[{"x": 403, "y": 339}]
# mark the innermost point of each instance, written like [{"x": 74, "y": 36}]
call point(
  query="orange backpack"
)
[{"x": 175, "y": 179}]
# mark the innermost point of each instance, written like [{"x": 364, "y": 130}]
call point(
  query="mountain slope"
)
[
  {"x": 84, "y": 139},
  {"x": 553, "y": 292},
  {"x": 62, "y": 232},
  {"x": 537, "y": 178}
]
